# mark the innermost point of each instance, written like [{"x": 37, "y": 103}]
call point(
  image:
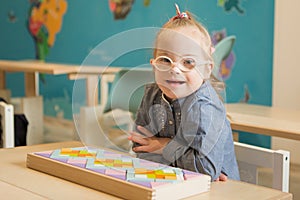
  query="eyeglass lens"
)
[{"x": 165, "y": 63}]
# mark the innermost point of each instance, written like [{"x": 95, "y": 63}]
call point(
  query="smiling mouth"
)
[{"x": 175, "y": 82}]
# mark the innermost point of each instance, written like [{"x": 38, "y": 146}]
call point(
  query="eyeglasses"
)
[{"x": 164, "y": 63}]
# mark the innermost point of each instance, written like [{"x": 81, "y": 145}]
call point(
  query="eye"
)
[
  {"x": 163, "y": 60},
  {"x": 189, "y": 63}
]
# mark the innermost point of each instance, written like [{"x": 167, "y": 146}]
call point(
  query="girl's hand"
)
[
  {"x": 222, "y": 177},
  {"x": 148, "y": 142}
]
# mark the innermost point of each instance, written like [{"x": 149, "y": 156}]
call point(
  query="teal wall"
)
[{"x": 88, "y": 23}]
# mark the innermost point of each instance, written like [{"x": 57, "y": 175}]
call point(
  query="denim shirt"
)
[{"x": 201, "y": 134}]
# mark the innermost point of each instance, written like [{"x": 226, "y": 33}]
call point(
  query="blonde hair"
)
[{"x": 179, "y": 21}]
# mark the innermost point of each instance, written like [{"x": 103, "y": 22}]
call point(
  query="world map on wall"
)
[{"x": 44, "y": 22}]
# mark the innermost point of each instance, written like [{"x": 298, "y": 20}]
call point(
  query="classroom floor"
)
[{"x": 64, "y": 131}]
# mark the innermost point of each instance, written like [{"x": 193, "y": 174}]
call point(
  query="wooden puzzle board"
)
[{"x": 118, "y": 174}]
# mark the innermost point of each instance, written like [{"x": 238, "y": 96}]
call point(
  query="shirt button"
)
[{"x": 170, "y": 122}]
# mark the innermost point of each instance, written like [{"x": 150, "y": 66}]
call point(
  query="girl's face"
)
[{"x": 184, "y": 46}]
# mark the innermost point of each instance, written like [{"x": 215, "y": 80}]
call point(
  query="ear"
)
[
  {"x": 151, "y": 62},
  {"x": 212, "y": 66},
  {"x": 207, "y": 72}
]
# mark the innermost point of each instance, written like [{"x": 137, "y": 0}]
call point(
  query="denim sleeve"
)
[
  {"x": 199, "y": 146},
  {"x": 143, "y": 115}
]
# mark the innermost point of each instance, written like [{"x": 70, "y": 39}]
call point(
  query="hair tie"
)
[{"x": 180, "y": 15}]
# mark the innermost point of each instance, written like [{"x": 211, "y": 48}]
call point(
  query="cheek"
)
[
  {"x": 194, "y": 79},
  {"x": 160, "y": 80},
  {"x": 159, "y": 76}
]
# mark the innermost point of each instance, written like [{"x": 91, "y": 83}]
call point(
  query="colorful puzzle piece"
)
[{"x": 123, "y": 167}]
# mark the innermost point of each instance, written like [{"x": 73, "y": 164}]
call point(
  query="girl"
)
[{"x": 182, "y": 121}]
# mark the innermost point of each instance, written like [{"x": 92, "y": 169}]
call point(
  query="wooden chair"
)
[
  {"x": 250, "y": 158},
  {"x": 127, "y": 89},
  {"x": 7, "y": 125},
  {"x": 107, "y": 123}
]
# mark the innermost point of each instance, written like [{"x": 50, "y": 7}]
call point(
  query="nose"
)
[{"x": 175, "y": 68}]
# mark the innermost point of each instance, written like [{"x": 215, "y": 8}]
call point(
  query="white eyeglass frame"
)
[{"x": 180, "y": 66}]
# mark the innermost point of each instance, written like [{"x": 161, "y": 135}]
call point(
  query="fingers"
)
[
  {"x": 145, "y": 131},
  {"x": 138, "y": 139},
  {"x": 223, "y": 177},
  {"x": 141, "y": 149},
  {"x": 136, "y": 134},
  {"x": 142, "y": 139},
  {"x": 147, "y": 141}
]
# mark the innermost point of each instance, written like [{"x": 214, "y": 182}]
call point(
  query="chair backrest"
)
[
  {"x": 250, "y": 158},
  {"x": 222, "y": 51},
  {"x": 127, "y": 89},
  {"x": 7, "y": 125}
]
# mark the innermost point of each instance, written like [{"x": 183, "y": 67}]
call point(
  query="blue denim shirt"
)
[{"x": 201, "y": 134}]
